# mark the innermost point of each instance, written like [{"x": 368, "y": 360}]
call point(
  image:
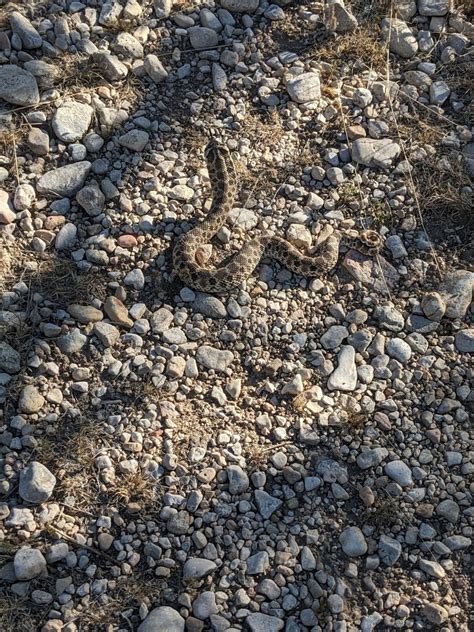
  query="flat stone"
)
[
  {"x": 197, "y": 567},
  {"x": 205, "y": 605},
  {"x": 72, "y": 120},
  {"x": 240, "y": 6},
  {"x": 267, "y": 505},
  {"x": 72, "y": 342},
  {"x": 353, "y": 542},
  {"x": 30, "y": 38},
  {"x": 389, "y": 550},
  {"x": 85, "y": 313},
  {"x": 371, "y": 458},
  {"x": 399, "y": 472},
  {"x": 259, "y": 622},
  {"x": 456, "y": 290},
  {"x": 376, "y": 273},
  {"x": 238, "y": 479},
  {"x": 212, "y": 358},
  {"x": 18, "y": 86},
  {"x": 464, "y": 341},
  {"x": 398, "y": 349},
  {"x": 202, "y": 37},
  {"x": 258, "y": 563},
  {"x": 64, "y": 181},
  {"x": 449, "y": 510},
  {"x": 432, "y": 568},
  {"x": 110, "y": 65},
  {"x": 400, "y": 37},
  {"x": 29, "y": 563},
  {"x": 91, "y": 199},
  {"x": 333, "y": 337},
  {"x": 304, "y": 88},
  {"x": 433, "y": 7},
  {"x": 135, "y": 140},
  {"x": 154, "y": 68},
  {"x": 162, "y": 619},
  {"x": 435, "y": 613},
  {"x": 31, "y": 401},
  {"x": 161, "y": 320},
  {"x": 117, "y": 312},
  {"x": 375, "y": 152},
  {"x": 10, "y": 359},
  {"x": 209, "y": 305},
  {"x": 339, "y": 19},
  {"x": 127, "y": 45},
  {"x": 36, "y": 483},
  {"x": 344, "y": 378},
  {"x": 66, "y": 237}
]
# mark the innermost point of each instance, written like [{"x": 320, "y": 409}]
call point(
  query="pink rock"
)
[
  {"x": 376, "y": 272},
  {"x": 127, "y": 241}
]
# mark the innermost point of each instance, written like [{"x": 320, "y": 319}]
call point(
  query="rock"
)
[
  {"x": 370, "y": 622},
  {"x": 240, "y": 6},
  {"x": 205, "y": 605},
  {"x": 29, "y": 36},
  {"x": 7, "y": 214},
  {"x": 339, "y": 19},
  {"x": 304, "y": 88},
  {"x": 258, "y": 622},
  {"x": 117, "y": 312},
  {"x": 389, "y": 550},
  {"x": 110, "y": 65},
  {"x": 374, "y": 152},
  {"x": 433, "y": 306},
  {"x": 66, "y": 238},
  {"x": 31, "y": 401},
  {"x": 267, "y": 505},
  {"x": 439, "y": 92},
  {"x": 106, "y": 333},
  {"x": 197, "y": 568},
  {"x": 10, "y": 359},
  {"x": 396, "y": 246},
  {"x": 376, "y": 273},
  {"x": 85, "y": 313},
  {"x": 258, "y": 563},
  {"x": 456, "y": 291},
  {"x": 38, "y": 142},
  {"x": 433, "y": 7},
  {"x": 371, "y": 458},
  {"x": 432, "y": 568},
  {"x": 202, "y": 37},
  {"x": 435, "y": 613},
  {"x": 400, "y": 37},
  {"x": 353, "y": 542},
  {"x": 72, "y": 342},
  {"x": 449, "y": 510},
  {"x": 154, "y": 68},
  {"x": 163, "y": 8},
  {"x": 72, "y": 120},
  {"x": 162, "y": 619},
  {"x": 28, "y": 563},
  {"x": 389, "y": 318},
  {"x": 344, "y": 378},
  {"x": 464, "y": 341},
  {"x": 333, "y": 337},
  {"x": 399, "y": 472},
  {"x": 161, "y": 320},
  {"x": 110, "y": 13},
  {"x": 238, "y": 480},
  {"x": 219, "y": 78},
  {"x": 18, "y": 86},
  {"x": 91, "y": 199},
  {"x": 399, "y": 349},
  {"x": 24, "y": 197},
  {"x": 64, "y": 181},
  {"x": 213, "y": 358},
  {"x": 36, "y": 483},
  {"x": 127, "y": 45},
  {"x": 209, "y": 305},
  {"x": 135, "y": 140},
  {"x": 335, "y": 604}
]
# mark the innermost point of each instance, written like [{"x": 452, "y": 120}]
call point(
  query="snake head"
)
[
  {"x": 371, "y": 242},
  {"x": 214, "y": 149}
]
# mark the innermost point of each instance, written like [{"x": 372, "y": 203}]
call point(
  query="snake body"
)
[{"x": 188, "y": 262}]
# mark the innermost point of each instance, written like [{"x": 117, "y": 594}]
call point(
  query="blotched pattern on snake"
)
[{"x": 188, "y": 261}]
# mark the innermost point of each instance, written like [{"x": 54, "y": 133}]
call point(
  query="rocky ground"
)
[{"x": 296, "y": 455}]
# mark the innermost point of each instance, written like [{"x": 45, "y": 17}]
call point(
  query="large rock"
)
[
  {"x": 10, "y": 359},
  {"x": 154, "y": 68},
  {"x": 344, "y": 378},
  {"x": 212, "y": 358},
  {"x": 71, "y": 121},
  {"x": 111, "y": 66},
  {"x": 240, "y": 6},
  {"x": 375, "y": 152},
  {"x": 400, "y": 37},
  {"x": 64, "y": 181},
  {"x": 259, "y": 622},
  {"x": 162, "y": 619},
  {"x": 36, "y": 483},
  {"x": 30, "y": 38},
  {"x": 304, "y": 88},
  {"x": 18, "y": 86},
  {"x": 433, "y": 7},
  {"x": 28, "y": 563},
  {"x": 31, "y": 401}
]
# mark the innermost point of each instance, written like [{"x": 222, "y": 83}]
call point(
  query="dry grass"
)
[
  {"x": 69, "y": 452},
  {"x": 16, "y": 615},
  {"x": 136, "y": 488}
]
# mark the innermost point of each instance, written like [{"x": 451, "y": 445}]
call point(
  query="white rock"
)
[
  {"x": 344, "y": 378},
  {"x": 304, "y": 88},
  {"x": 28, "y": 563},
  {"x": 71, "y": 121},
  {"x": 135, "y": 140},
  {"x": 18, "y": 86}
]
